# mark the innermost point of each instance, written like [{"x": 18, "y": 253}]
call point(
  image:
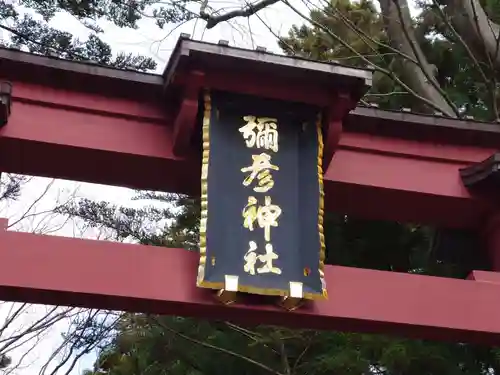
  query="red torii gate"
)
[{"x": 88, "y": 123}]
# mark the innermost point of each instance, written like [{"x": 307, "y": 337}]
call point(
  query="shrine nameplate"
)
[{"x": 261, "y": 229}]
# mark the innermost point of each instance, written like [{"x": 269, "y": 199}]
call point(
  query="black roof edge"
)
[
  {"x": 413, "y": 126},
  {"x": 78, "y": 67},
  {"x": 425, "y": 119},
  {"x": 185, "y": 45}
]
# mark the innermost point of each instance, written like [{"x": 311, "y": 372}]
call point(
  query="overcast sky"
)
[{"x": 147, "y": 40}]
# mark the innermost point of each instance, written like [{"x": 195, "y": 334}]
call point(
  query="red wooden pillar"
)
[
  {"x": 4, "y": 224},
  {"x": 483, "y": 181},
  {"x": 341, "y": 104}
]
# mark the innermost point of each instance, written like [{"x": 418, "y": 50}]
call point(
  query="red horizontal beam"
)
[
  {"x": 403, "y": 180},
  {"x": 86, "y": 137},
  {"x": 275, "y": 87},
  {"x": 64, "y": 271}
]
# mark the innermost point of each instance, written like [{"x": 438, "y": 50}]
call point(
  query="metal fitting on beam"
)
[
  {"x": 295, "y": 299},
  {"x": 228, "y": 295}
]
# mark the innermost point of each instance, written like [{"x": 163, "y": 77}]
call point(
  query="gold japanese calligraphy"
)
[
  {"x": 250, "y": 213},
  {"x": 260, "y": 169},
  {"x": 250, "y": 258},
  {"x": 266, "y": 260},
  {"x": 266, "y": 215},
  {"x": 260, "y": 133}
]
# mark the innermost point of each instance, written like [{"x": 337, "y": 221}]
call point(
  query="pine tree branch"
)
[
  {"x": 392, "y": 93},
  {"x": 254, "y": 336},
  {"x": 217, "y": 348},
  {"x": 284, "y": 358},
  {"x": 300, "y": 356},
  {"x": 21, "y": 35},
  {"x": 185, "y": 358},
  {"x": 251, "y": 335}
]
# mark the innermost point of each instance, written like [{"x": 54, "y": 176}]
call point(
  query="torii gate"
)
[{"x": 75, "y": 120}]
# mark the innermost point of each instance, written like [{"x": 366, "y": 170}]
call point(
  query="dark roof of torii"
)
[
  {"x": 190, "y": 54},
  {"x": 15, "y": 64}
]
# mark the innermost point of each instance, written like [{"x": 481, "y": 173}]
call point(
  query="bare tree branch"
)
[
  {"x": 473, "y": 24},
  {"x": 426, "y": 69},
  {"x": 250, "y": 9},
  {"x": 376, "y": 67},
  {"x": 490, "y": 83}
]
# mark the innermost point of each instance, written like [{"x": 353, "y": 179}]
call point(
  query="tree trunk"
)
[
  {"x": 472, "y": 23},
  {"x": 419, "y": 78}
]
